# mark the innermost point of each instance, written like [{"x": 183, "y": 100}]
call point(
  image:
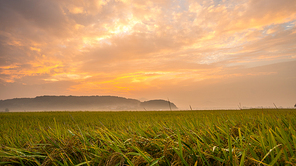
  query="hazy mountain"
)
[
  {"x": 76, "y": 103},
  {"x": 158, "y": 104}
]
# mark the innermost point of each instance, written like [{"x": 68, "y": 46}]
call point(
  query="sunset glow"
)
[{"x": 212, "y": 53}]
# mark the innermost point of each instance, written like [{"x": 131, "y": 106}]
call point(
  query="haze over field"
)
[{"x": 205, "y": 54}]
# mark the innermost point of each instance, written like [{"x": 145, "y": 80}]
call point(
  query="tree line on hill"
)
[{"x": 83, "y": 103}]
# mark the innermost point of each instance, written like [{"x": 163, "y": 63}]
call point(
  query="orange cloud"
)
[{"x": 128, "y": 47}]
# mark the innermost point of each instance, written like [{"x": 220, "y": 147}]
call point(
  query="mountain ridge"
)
[{"x": 79, "y": 103}]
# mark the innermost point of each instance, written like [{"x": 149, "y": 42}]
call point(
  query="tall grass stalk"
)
[{"x": 228, "y": 137}]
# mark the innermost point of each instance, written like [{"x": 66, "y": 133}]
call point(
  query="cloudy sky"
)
[{"x": 203, "y": 53}]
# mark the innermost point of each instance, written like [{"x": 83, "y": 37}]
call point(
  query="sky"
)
[{"x": 203, "y": 54}]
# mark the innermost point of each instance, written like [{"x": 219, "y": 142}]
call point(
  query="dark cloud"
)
[{"x": 46, "y": 15}]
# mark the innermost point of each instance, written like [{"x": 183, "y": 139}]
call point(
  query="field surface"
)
[{"x": 222, "y": 137}]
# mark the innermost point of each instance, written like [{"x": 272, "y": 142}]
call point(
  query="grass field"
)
[{"x": 224, "y": 137}]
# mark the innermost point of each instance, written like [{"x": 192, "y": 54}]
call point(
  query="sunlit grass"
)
[{"x": 236, "y": 137}]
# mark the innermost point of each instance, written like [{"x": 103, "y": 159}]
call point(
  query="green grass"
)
[{"x": 228, "y": 137}]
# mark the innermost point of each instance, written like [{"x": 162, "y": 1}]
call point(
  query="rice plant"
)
[{"x": 221, "y": 137}]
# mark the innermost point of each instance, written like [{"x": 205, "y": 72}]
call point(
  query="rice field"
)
[{"x": 222, "y": 137}]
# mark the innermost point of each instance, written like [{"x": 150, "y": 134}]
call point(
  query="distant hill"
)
[
  {"x": 76, "y": 103},
  {"x": 158, "y": 104}
]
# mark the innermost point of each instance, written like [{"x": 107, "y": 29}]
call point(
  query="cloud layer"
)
[{"x": 150, "y": 49}]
